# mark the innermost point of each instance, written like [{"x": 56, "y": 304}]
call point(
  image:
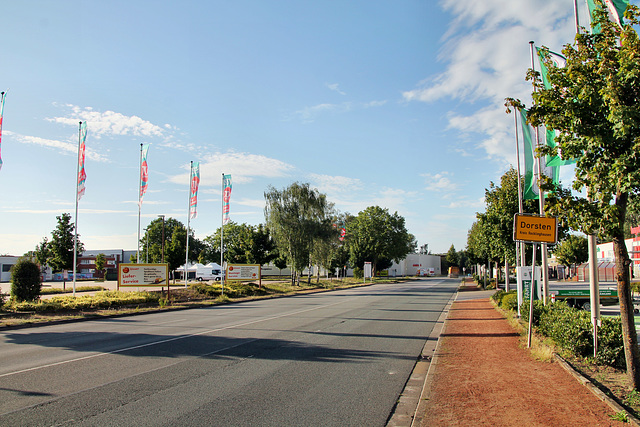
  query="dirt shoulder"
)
[{"x": 482, "y": 376}]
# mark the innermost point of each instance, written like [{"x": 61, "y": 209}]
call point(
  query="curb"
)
[
  {"x": 596, "y": 391},
  {"x": 408, "y": 408}
]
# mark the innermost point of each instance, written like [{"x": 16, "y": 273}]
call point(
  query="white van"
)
[{"x": 211, "y": 271}]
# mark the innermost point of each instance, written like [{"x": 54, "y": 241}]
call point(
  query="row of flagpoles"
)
[{"x": 549, "y": 166}]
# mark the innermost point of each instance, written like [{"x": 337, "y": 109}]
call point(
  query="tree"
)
[
  {"x": 452, "y": 257},
  {"x": 26, "y": 281},
  {"x": 572, "y": 251},
  {"x": 42, "y": 253},
  {"x": 294, "y": 216},
  {"x": 243, "y": 244},
  {"x": 175, "y": 240},
  {"x": 101, "y": 261},
  {"x": 61, "y": 244},
  {"x": 378, "y": 237},
  {"x": 594, "y": 105}
]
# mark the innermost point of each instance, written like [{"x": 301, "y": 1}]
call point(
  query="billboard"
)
[
  {"x": 243, "y": 272},
  {"x": 138, "y": 275}
]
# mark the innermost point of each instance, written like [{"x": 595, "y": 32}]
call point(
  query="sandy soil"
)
[{"x": 482, "y": 376}]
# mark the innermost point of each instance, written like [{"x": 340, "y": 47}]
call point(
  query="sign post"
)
[{"x": 534, "y": 229}]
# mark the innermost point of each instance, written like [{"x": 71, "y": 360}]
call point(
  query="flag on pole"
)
[
  {"x": 226, "y": 196},
  {"x": 550, "y": 135},
  {"x": 615, "y": 8},
  {"x": 195, "y": 182},
  {"x": 556, "y": 59},
  {"x": 2, "y": 96},
  {"x": 144, "y": 173},
  {"x": 531, "y": 178},
  {"x": 82, "y": 174}
]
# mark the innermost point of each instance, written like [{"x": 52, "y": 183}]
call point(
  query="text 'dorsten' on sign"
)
[{"x": 535, "y": 229}]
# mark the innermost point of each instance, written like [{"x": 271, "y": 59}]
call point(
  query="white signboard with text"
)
[
  {"x": 138, "y": 275},
  {"x": 243, "y": 272}
]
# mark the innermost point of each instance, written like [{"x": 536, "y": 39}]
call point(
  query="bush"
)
[
  {"x": 610, "y": 344},
  {"x": 538, "y": 309},
  {"x": 26, "y": 282},
  {"x": 106, "y": 299},
  {"x": 510, "y": 301},
  {"x": 497, "y": 296}
]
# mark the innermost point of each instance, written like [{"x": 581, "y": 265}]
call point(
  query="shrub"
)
[
  {"x": 509, "y": 301},
  {"x": 538, "y": 309},
  {"x": 497, "y": 296},
  {"x": 610, "y": 344},
  {"x": 26, "y": 282}
]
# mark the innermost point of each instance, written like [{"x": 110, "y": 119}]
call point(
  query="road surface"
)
[{"x": 336, "y": 358}]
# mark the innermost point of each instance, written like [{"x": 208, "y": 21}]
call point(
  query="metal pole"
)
[
  {"x": 531, "y": 289},
  {"x": 75, "y": 225},
  {"x": 139, "y": 209},
  {"x": 224, "y": 274},
  {"x": 520, "y": 202},
  {"x": 545, "y": 273},
  {"x": 186, "y": 262}
]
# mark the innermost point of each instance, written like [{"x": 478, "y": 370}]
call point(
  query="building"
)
[
  {"x": 6, "y": 262},
  {"x": 416, "y": 264},
  {"x": 114, "y": 257}
]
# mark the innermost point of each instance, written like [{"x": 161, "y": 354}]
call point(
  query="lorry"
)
[{"x": 581, "y": 298}]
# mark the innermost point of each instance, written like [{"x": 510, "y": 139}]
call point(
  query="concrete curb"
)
[
  {"x": 596, "y": 391},
  {"x": 409, "y": 408}
]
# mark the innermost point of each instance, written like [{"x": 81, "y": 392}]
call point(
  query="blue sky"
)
[{"x": 391, "y": 103}]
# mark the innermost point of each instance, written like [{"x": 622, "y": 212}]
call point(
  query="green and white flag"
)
[
  {"x": 556, "y": 59},
  {"x": 615, "y": 8},
  {"x": 531, "y": 190}
]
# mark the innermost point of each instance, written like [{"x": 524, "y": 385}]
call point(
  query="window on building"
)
[{"x": 6, "y": 268}]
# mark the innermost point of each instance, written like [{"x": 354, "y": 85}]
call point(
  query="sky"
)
[{"x": 396, "y": 103}]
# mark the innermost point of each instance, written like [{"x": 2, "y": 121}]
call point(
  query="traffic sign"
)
[{"x": 535, "y": 229}]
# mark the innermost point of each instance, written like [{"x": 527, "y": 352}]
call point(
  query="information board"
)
[
  {"x": 243, "y": 272},
  {"x": 535, "y": 229},
  {"x": 138, "y": 275}
]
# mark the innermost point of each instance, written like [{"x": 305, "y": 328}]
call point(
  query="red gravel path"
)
[{"x": 482, "y": 376}]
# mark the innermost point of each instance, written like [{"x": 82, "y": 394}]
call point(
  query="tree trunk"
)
[{"x": 629, "y": 335}]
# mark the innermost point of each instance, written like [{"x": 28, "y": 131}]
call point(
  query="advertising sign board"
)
[
  {"x": 139, "y": 275},
  {"x": 243, "y": 272}
]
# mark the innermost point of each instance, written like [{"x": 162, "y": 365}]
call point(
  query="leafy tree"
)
[
  {"x": 378, "y": 237},
  {"x": 294, "y": 216},
  {"x": 594, "y": 104},
  {"x": 243, "y": 244},
  {"x": 572, "y": 251},
  {"x": 61, "y": 244},
  {"x": 175, "y": 240},
  {"x": 101, "y": 261},
  {"x": 42, "y": 253},
  {"x": 452, "y": 257},
  {"x": 26, "y": 281}
]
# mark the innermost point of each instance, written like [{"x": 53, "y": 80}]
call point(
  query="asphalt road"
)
[{"x": 337, "y": 358}]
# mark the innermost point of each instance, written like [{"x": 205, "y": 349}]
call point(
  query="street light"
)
[{"x": 162, "y": 216}]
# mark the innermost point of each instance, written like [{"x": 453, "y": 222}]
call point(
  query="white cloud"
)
[
  {"x": 439, "y": 182},
  {"x": 109, "y": 123},
  {"x": 335, "y": 87},
  {"x": 332, "y": 184},
  {"x": 243, "y": 168},
  {"x": 487, "y": 54},
  {"x": 70, "y": 147},
  {"x": 309, "y": 114}
]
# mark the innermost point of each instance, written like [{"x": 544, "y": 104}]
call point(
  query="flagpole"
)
[
  {"x": 543, "y": 246},
  {"x": 139, "y": 208},
  {"x": 75, "y": 228},
  {"x": 594, "y": 280},
  {"x": 222, "y": 237},
  {"x": 520, "y": 203},
  {"x": 186, "y": 262},
  {"x": 575, "y": 13}
]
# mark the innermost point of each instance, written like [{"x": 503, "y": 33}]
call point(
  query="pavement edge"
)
[
  {"x": 409, "y": 408},
  {"x": 596, "y": 391}
]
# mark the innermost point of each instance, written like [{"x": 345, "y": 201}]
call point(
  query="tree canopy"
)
[
  {"x": 377, "y": 236},
  {"x": 594, "y": 105}
]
